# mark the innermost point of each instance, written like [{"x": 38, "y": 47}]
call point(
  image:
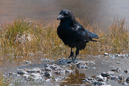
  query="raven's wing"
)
[{"x": 84, "y": 34}]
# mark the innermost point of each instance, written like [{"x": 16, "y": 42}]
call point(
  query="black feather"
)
[{"x": 72, "y": 33}]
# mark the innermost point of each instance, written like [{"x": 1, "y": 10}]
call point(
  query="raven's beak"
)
[{"x": 60, "y": 17}]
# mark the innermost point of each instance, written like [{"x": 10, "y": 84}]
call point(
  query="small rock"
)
[
  {"x": 12, "y": 74},
  {"x": 48, "y": 80},
  {"x": 53, "y": 67},
  {"x": 99, "y": 78},
  {"x": 21, "y": 71},
  {"x": 89, "y": 62},
  {"x": 81, "y": 65},
  {"x": 48, "y": 69},
  {"x": 96, "y": 83},
  {"x": 35, "y": 76},
  {"x": 127, "y": 80},
  {"x": 126, "y": 71},
  {"x": 121, "y": 78},
  {"x": 124, "y": 83},
  {"x": 68, "y": 71},
  {"x": 116, "y": 70},
  {"x": 58, "y": 79},
  {"x": 89, "y": 80},
  {"x": 47, "y": 74},
  {"x": 106, "y": 54},
  {"x": 26, "y": 76},
  {"x": 60, "y": 72},
  {"x": 107, "y": 74},
  {"x": 112, "y": 77},
  {"x": 34, "y": 70},
  {"x": 86, "y": 80}
]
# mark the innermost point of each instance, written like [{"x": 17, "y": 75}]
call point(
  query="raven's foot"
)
[
  {"x": 71, "y": 55},
  {"x": 73, "y": 59},
  {"x": 77, "y": 52}
]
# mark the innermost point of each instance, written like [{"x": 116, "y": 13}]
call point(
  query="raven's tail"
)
[{"x": 94, "y": 35}]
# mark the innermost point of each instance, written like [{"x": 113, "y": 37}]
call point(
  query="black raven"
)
[{"x": 72, "y": 33}]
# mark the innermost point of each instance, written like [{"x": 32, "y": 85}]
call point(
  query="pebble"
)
[
  {"x": 12, "y": 74},
  {"x": 88, "y": 81},
  {"x": 125, "y": 83},
  {"x": 47, "y": 74},
  {"x": 58, "y": 79},
  {"x": 121, "y": 78},
  {"x": 35, "y": 76},
  {"x": 99, "y": 78},
  {"x": 48, "y": 80},
  {"x": 21, "y": 71},
  {"x": 34, "y": 70},
  {"x": 68, "y": 71},
  {"x": 60, "y": 72},
  {"x": 106, "y": 54},
  {"x": 127, "y": 80},
  {"x": 116, "y": 70},
  {"x": 90, "y": 78},
  {"x": 53, "y": 67},
  {"x": 112, "y": 77},
  {"x": 89, "y": 62},
  {"x": 126, "y": 71},
  {"x": 26, "y": 76},
  {"x": 48, "y": 69},
  {"x": 96, "y": 83},
  {"x": 107, "y": 74},
  {"x": 81, "y": 65}
]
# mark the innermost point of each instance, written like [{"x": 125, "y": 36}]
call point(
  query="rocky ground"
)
[{"x": 101, "y": 70}]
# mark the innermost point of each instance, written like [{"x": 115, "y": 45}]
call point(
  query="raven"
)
[{"x": 72, "y": 33}]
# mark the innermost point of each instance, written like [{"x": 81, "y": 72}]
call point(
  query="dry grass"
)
[{"x": 23, "y": 37}]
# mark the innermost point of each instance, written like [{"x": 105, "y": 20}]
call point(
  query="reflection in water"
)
[
  {"x": 95, "y": 10},
  {"x": 74, "y": 78}
]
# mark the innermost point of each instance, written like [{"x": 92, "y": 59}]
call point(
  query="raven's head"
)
[{"x": 65, "y": 14}]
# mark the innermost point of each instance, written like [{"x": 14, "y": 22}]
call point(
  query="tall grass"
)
[
  {"x": 118, "y": 35},
  {"x": 24, "y": 36}
]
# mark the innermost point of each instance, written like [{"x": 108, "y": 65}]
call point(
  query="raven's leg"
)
[
  {"x": 77, "y": 52},
  {"x": 72, "y": 54}
]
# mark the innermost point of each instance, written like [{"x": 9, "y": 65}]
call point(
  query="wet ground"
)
[{"x": 107, "y": 69}]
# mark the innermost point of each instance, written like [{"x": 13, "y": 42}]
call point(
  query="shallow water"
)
[
  {"x": 102, "y": 64},
  {"x": 104, "y": 11}
]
